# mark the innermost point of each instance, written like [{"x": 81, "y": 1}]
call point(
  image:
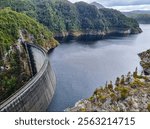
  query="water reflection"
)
[{"x": 81, "y": 67}]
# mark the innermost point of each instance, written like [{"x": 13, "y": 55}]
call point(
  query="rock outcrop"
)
[
  {"x": 145, "y": 61},
  {"x": 14, "y": 59},
  {"x": 130, "y": 93},
  {"x": 95, "y": 35}
]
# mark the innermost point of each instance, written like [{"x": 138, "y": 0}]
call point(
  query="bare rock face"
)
[
  {"x": 145, "y": 61},
  {"x": 14, "y": 69}
]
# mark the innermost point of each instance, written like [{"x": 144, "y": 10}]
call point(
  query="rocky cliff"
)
[
  {"x": 130, "y": 93},
  {"x": 145, "y": 61},
  {"x": 14, "y": 61}
]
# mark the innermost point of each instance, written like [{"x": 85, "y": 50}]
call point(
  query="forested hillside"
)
[
  {"x": 63, "y": 17},
  {"x": 98, "y": 5},
  {"x": 22, "y": 18},
  {"x": 141, "y": 17},
  {"x": 14, "y": 71}
]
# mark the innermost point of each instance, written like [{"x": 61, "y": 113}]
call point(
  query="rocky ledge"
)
[
  {"x": 145, "y": 61},
  {"x": 130, "y": 93},
  {"x": 94, "y": 34}
]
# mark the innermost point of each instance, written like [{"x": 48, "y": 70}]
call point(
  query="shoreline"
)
[
  {"x": 95, "y": 35},
  {"x": 130, "y": 93}
]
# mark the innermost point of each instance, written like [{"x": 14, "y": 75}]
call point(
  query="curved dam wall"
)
[{"x": 37, "y": 94}]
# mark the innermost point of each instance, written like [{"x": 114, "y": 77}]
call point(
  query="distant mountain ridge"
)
[
  {"x": 138, "y": 12},
  {"x": 142, "y": 16},
  {"x": 98, "y": 5},
  {"x": 64, "y": 18}
]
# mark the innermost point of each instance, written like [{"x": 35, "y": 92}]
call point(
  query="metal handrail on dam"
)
[{"x": 37, "y": 94}]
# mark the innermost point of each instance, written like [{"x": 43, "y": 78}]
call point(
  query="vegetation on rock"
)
[
  {"x": 130, "y": 93},
  {"x": 14, "y": 71},
  {"x": 12, "y": 22},
  {"x": 145, "y": 61},
  {"x": 65, "y": 18},
  {"x": 143, "y": 17},
  {"x": 18, "y": 20}
]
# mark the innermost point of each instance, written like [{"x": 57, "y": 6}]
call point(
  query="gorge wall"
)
[{"x": 36, "y": 95}]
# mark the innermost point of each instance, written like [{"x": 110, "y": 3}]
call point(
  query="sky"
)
[{"x": 122, "y": 5}]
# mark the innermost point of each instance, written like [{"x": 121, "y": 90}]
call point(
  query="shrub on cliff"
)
[
  {"x": 137, "y": 83},
  {"x": 148, "y": 107},
  {"x": 12, "y": 22},
  {"x": 14, "y": 71}
]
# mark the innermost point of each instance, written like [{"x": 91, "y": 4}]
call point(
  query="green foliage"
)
[
  {"x": 113, "y": 97},
  {"x": 83, "y": 110},
  {"x": 117, "y": 82},
  {"x": 89, "y": 17},
  {"x": 141, "y": 18},
  {"x": 63, "y": 16},
  {"x": 57, "y": 15},
  {"x": 10, "y": 79},
  {"x": 110, "y": 86},
  {"x": 124, "y": 93},
  {"x": 137, "y": 83},
  {"x": 10, "y": 24},
  {"x": 102, "y": 98},
  {"x": 91, "y": 98},
  {"x": 142, "y": 77},
  {"x": 122, "y": 80},
  {"x": 135, "y": 73},
  {"x": 148, "y": 107},
  {"x": 146, "y": 65}
]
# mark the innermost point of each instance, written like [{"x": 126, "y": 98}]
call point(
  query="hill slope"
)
[
  {"x": 139, "y": 12},
  {"x": 65, "y": 18},
  {"x": 142, "y": 17},
  {"x": 14, "y": 70},
  {"x": 97, "y": 5},
  {"x": 12, "y": 22}
]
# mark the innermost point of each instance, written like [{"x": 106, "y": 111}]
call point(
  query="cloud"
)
[
  {"x": 88, "y": 1},
  {"x": 122, "y": 5},
  {"x": 111, "y": 3},
  {"x": 123, "y": 2},
  {"x": 132, "y": 7}
]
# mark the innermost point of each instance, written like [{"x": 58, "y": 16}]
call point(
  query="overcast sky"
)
[{"x": 123, "y": 5}]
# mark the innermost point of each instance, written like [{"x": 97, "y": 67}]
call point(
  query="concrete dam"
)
[{"x": 37, "y": 94}]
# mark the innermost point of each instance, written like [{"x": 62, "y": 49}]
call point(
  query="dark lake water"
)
[{"x": 82, "y": 67}]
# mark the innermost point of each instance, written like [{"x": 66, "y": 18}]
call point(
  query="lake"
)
[{"x": 81, "y": 67}]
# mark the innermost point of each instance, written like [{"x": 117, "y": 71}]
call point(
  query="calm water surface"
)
[{"x": 82, "y": 67}]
